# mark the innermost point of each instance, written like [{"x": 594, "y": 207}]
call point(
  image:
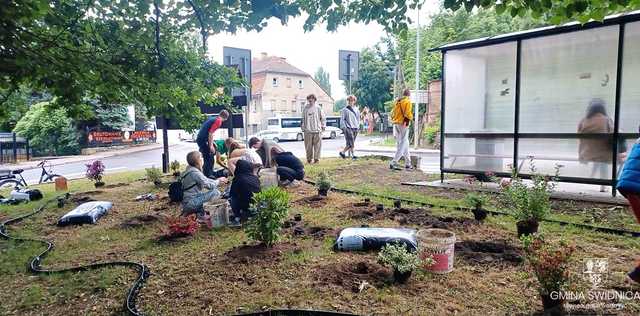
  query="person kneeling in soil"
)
[
  {"x": 245, "y": 183},
  {"x": 289, "y": 167},
  {"x": 629, "y": 187},
  {"x": 198, "y": 189},
  {"x": 237, "y": 152}
]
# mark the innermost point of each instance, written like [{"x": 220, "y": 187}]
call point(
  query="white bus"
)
[{"x": 288, "y": 128}]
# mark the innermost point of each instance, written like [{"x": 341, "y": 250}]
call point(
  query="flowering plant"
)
[
  {"x": 179, "y": 226},
  {"x": 398, "y": 257},
  {"x": 548, "y": 261},
  {"x": 95, "y": 171}
]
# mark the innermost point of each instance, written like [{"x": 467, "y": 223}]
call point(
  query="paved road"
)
[{"x": 146, "y": 159}]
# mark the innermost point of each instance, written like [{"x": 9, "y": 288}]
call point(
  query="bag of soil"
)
[
  {"x": 86, "y": 213},
  {"x": 375, "y": 238}
]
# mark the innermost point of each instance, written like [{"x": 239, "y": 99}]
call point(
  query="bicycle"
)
[{"x": 15, "y": 178}]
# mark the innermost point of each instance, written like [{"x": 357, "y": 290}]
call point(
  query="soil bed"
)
[
  {"x": 140, "y": 220},
  {"x": 260, "y": 252},
  {"x": 353, "y": 275},
  {"x": 485, "y": 252}
]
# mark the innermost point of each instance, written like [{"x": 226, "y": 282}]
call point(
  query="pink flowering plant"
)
[{"x": 95, "y": 171}]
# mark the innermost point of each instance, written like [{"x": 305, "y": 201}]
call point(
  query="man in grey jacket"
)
[
  {"x": 350, "y": 118},
  {"x": 313, "y": 124}
]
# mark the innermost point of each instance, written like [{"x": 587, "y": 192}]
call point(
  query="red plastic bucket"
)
[{"x": 438, "y": 244}]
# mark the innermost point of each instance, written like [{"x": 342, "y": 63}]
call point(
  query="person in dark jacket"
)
[
  {"x": 289, "y": 167},
  {"x": 629, "y": 186},
  {"x": 245, "y": 183}
]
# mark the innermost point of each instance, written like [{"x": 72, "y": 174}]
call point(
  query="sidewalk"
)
[
  {"x": 368, "y": 147},
  {"x": 55, "y": 161}
]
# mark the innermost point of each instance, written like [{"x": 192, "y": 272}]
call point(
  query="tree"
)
[
  {"x": 373, "y": 87},
  {"x": 50, "y": 131},
  {"x": 339, "y": 105},
  {"x": 554, "y": 11},
  {"x": 448, "y": 27},
  {"x": 322, "y": 77},
  {"x": 111, "y": 117}
]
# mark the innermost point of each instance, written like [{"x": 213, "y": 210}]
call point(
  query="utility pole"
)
[
  {"x": 349, "y": 72},
  {"x": 416, "y": 119}
]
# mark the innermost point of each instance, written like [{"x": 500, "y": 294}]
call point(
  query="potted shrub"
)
[
  {"x": 175, "y": 168},
  {"x": 271, "y": 208},
  {"x": 530, "y": 203},
  {"x": 154, "y": 175},
  {"x": 95, "y": 171},
  {"x": 323, "y": 184},
  {"x": 401, "y": 260},
  {"x": 549, "y": 263},
  {"x": 476, "y": 201}
]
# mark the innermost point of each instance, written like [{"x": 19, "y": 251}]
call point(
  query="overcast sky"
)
[{"x": 310, "y": 50}]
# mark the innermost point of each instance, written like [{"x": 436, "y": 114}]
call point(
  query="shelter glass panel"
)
[
  {"x": 479, "y": 154},
  {"x": 630, "y": 82}
]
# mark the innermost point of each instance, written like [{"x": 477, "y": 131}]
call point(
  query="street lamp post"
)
[{"x": 417, "y": 103}]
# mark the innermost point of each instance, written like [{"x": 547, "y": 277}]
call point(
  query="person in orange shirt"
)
[{"x": 401, "y": 116}]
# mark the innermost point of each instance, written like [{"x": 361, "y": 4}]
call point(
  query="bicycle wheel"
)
[{"x": 10, "y": 183}]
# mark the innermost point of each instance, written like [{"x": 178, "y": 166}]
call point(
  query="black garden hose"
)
[
  {"x": 34, "y": 263},
  {"x": 614, "y": 231}
]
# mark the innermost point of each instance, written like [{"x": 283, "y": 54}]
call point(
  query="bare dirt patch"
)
[
  {"x": 116, "y": 185},
  {"x": 140, "y": 220},
  {"x": 353, "y": 275},
  {"x": 488, "y": 252}
]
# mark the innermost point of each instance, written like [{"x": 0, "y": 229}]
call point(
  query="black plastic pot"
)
[
  {"x": 479, "y": 214},
  {"x": 552, "y": 306},
  {"x": 176, "y": 174},
  {"x": 379, "y": 207},
  {"x": 400, "y": 277},
  {"x": 297, "y": 217},
  {"x": 157, "y": 183},
  {"x": 98, "y": 184},
  {"x": 367, "y": 200},
  {"x": 323, "y": 192},
  {"x": 528, "y": 227},
  {"x": 397, "y": 204}
]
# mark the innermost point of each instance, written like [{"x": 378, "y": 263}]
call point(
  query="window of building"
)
[
  {"x": 294, "y": 108},
  {"x": 300, "y": 84},
  {"x": 288, "y": 82},
  {"x": 274, "y": 81}
]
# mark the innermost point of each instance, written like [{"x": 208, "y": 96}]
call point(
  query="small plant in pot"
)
[
  {"x": 530, "y": 202},
  {"x": 323, "y": 184},
  {"x": 476, "y": 201},
  {"x": 175, "y": 168},
  {"x": 95, "y": 172},
  {"x": 154, "y": 175},
  {"x": 549, "y": 263},
  {"x": 271, "y": 208},
  {"x": 401, "y": 260}
]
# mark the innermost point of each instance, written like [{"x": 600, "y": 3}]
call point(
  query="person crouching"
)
[
  {"x": 198, "y": 189},
  {"x": 245, "y": 183}
]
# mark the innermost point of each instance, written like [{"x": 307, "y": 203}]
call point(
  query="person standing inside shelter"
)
[
  {"x": 206, "y": 143},
  {"x": 401, "y": 116},
  {"x": 350, "y": 117},
  {"x": 596, "y": 151},
  {"x": 313, "y": 124}
]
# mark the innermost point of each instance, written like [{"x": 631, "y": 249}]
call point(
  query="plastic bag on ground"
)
[
  {"x": 375, "y": 238},
  {"x": 86, "y": 213}
]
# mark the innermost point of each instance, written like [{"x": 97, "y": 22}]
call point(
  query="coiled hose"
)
[{"x": 34, "y": 263}]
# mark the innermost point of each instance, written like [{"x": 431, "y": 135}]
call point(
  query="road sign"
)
[
  {"x": 239, "y": 59},
  {"x": 422, "y": 97},
  {"x": 348, "y": 65}
]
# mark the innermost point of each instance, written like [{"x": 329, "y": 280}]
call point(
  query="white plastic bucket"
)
[
  {"x": 216, "y": 213},
  {"x": 268, "y": 178},
  {"x": 438, "y": 244}
]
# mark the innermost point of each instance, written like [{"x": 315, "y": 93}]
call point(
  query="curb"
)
[
  {"x": 391, "y": 151},
  {"x": 91, "y": 157}
]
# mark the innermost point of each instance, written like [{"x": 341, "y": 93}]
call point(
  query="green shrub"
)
[
  {"x": 475, "y": 200},
  {"x": 398, "y": 257},
  {"x": 50, "y": 131},
  {"x": 529, "y": 202},
  {"x": 175, "y": 166},
  {"x": 323, "y": 182},
  {"x": 271, "y": 207},
  {"x": 431, "y": 132},
  {"x": 154, "y": 175}
]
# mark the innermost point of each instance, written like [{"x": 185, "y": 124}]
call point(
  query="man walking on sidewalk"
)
[
  {"x": 313, "y": 124},
  {"x": 205, "y": 141},
  {"x": 350, "y": 117},
  {"x": 401, "y": 116}
]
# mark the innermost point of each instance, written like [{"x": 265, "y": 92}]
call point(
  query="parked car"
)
[
  {"x": 274, "y": 135},
  {"x": 288, "y": 128}
]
